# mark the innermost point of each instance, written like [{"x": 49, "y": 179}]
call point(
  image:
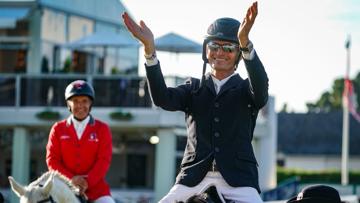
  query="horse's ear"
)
[
  {"x": 48, "y": 185},
  {"x": 18, "y": 189}
]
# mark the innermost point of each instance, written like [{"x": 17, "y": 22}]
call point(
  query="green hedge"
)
[{"x": 326, "y": 176}]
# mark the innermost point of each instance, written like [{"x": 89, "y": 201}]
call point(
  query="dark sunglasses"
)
[{"x": 228, "y": 48}]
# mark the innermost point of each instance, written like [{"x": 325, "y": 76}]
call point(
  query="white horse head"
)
[{"x": 50, "y": 187}]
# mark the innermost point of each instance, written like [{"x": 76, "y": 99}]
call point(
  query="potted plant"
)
[
  {"x": 120, "y": 115},
  {"x": 48, "y": 114}
]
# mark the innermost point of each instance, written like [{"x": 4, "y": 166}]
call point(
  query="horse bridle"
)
[{"x": 49, "y": 199}]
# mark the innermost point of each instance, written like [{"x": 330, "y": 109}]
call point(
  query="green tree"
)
[
  {"x": 284, "y": 108},
  {"x": 332, "y": 100}
]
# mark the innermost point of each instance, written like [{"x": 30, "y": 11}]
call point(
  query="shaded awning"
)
[
  {"x": 176, "y": 43},
  {"x": 9, "y": 16},
  {"x": 103, "y": 39}
]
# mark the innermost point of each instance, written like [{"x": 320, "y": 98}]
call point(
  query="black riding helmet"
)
[
  {"x": 79, "y": 87},
  {"x": 225, "y": 29}
]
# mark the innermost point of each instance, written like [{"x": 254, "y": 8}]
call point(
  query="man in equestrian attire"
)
[
  {"x": 220, "y": 110},
  {"x": 80, "y": 147}
]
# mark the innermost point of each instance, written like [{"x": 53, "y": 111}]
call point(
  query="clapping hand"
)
[
  {"x": 140, "y": 32},
  {"x": 247, "y": 24}
]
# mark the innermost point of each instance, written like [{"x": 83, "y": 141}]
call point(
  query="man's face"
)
[
  {"x": 222, "y": 55},
  {"x": 79, "y": 106}
]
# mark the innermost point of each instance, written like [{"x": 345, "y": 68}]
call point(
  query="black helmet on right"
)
[
  {"x": 225, "y": 29},
  {"x": 79, "y": 87}
]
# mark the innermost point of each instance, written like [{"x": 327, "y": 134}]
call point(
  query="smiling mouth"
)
[{"x": 219, "y": 59}]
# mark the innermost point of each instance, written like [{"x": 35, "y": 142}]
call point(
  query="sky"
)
[{"x": 300, "y": 42}]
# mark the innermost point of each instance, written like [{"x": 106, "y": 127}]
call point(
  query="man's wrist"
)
[
  {"x": 243, "y": 42},
  {"x": 151, "y": 59},
  {"x": 248, "y": 52},
  {"x": 151, "y": 56},
  {"x": 248, "y": 48}
]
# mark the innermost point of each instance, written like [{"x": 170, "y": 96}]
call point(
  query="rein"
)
[{"x": 49, "y": 199}]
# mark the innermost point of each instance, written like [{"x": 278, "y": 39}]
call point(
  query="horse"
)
[
  {"x": 210, "y": 195},
  {"x": 51, "y": 187}
]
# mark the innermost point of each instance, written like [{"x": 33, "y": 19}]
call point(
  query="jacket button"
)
[
  {"x": 217, "y": 149},
  {"x": 216, "y": 119},
  {"x": 249, "y": 105},
  {"x": 216, "y": 134},
  {"x": 216, "y": 104}
]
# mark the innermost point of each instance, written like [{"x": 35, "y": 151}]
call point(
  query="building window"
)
[
  {"x": 20, "y": 66},
  {"x": 13, "y": 60},
  {"x": 7, "y": 91},
  {"x": 136, "y": 170},
  {"x": 280, "y": 162},
  {"x": 78, "y": 62},
  {"x": 133, "y": 160},
  {"x": 6, "y": 141}
]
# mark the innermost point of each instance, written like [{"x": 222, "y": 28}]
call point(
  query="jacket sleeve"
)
[
  {"x": 168, "y": 98},
  {"x": 259, "y": 82},
  {"x": 53, "y": 153},
  {"x": 103, "y": 159}
]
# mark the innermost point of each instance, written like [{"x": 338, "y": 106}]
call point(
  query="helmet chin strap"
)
[
  {"x": 238, "y": 60},
  {"x": 203, "y": 74}
]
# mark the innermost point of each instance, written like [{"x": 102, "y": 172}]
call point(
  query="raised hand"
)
[
  {"x": 247, "y": 24},
  {"x": 140, "y": 32}
]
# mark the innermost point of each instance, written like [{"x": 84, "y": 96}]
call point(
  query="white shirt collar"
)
[
  {"x": 80, "y": 125},
  {"x": 219, "y": 83}
]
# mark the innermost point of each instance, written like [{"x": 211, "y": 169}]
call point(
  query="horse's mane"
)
[{"x": 57, "y": 175}]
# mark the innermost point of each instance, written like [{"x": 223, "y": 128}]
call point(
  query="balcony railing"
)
[{"x": 23, "y": 90}]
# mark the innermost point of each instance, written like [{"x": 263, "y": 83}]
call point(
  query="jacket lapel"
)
[
  {"x": 71, "y": 128},
  {"x": 231, "y": 83},
  {"x": 210, "y": 84}
]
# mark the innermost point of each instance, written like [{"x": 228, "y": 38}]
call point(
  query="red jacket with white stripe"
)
[{"x": 90, "y": 156}]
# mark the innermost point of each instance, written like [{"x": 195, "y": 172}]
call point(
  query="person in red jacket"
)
[{"x": 80, "y": 147}]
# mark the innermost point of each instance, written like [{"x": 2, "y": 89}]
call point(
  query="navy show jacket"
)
[{"x": 220, "y": 126}]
